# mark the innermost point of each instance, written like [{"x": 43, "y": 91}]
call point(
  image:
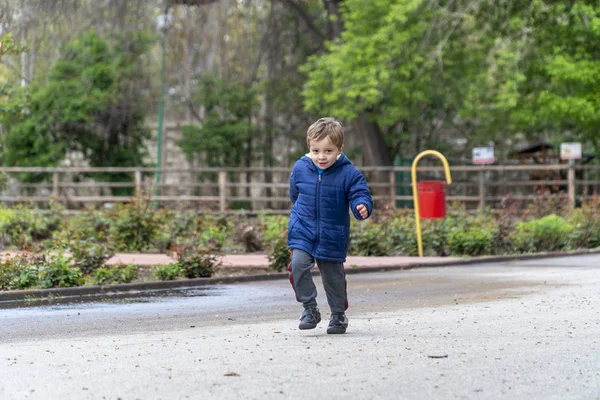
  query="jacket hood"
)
[{"x": 341, "y": 160}]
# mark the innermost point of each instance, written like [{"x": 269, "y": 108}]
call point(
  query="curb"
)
[
  {"x": 468, "y": 261},
  {"x": 23, "y": 296}
]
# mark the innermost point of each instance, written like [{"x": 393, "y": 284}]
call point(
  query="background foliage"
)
[
  {"x": 66, "y": 253},
  {"x": 245, "y": 78}
]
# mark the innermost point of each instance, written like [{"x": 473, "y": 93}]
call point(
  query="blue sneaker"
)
[
  {"x": 310, "y": 318},
  {"x": 337, "y": 324}
]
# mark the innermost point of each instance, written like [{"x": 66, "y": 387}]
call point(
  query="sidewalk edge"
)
[{"x": 90, "y": 291}]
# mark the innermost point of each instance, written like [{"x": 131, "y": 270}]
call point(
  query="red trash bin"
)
[{"x": 432, "y": 199}]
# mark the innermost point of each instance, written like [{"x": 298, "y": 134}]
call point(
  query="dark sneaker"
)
[
  {"x": 310, "y": 318},
  {"x": 337, "y": 324}
]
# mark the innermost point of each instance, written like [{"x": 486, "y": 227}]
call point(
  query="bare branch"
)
[
  {"x": 263, "y": 45},
  {"x": 301, "y": 13}
]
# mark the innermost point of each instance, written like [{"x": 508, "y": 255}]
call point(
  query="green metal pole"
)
[{"x": 161, "y": 111}]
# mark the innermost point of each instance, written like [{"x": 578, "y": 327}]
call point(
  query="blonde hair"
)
[{"x": 326, "y": 128}]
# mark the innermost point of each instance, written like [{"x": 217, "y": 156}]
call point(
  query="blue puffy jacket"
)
[{"x": 320, "y": 221}]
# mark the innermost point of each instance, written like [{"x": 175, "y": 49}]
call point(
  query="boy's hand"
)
[{"x": 364, "y": 213}]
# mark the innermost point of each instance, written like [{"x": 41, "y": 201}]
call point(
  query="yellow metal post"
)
[{"x": 416, "y": 194}]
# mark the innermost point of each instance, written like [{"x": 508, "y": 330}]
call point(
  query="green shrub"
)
[
  {"x": 102, "y": 276},
  {"x": 7, "y": 275},
  {"x": 272, "y": 226},
  {"x": 400, "y": 234},
  {"x": 167, "y": 272},
  {"x": 27, "y": 276},
  {"x": 90, "y": 224},
  {"x": 134, "y": 226},
  {"x": 503, "y": 243},
  {"x": 367, "y": 238},
  {"x": 176, "y": 224},
  {"x": 8, "y": 271},
  {"x": 5, "y": 215},
  {"x": 3, "y": 181},
  {"x": 198, "y": 262},
  {"x": 89, "y": 255},
  {"x": 125, "y": 274},
  {"x": 435, "y": 234},
  {"x": 586, "y": 227},
  {"x": 279, "y": 255},
  {"x": 115, "y": 274},
  {"x": 26, "y": 227},
  {"x": 475, "y": 241},
  {"x": 213, "y": 232},
  {"x": 19, "y": 272},
  {"x": 57, "y": 272},
  {"x": 550, "y": 233}
]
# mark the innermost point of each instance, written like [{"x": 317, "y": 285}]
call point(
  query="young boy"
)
[{"x": 323, "y": 186}]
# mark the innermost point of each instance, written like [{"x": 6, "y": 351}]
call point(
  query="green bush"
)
[
  {"x": 177, "y": 224},
  {"x": 115, "y": 274},
  {"x": 167, "y": 272},
  {"x": 435, "y": 234},
  {"x": 279, "y": 256},
  {"x": 57, "y": 272},
  {"x": 586, "y": 227},
  {"x": 503, "y": 243},
  {"x": 367, "y": 238},
  {"x": 8, "y": 272},
  {"x": 102, "y": 276},
  {"x": 550, "y": 233},
  {"x": 90, "y": 224},
  {"x": 400, "y": 234},
  {"x": 19, "y": 272},
  {"x": 26, "y": 278},
  {"x": 213, "y": 232},
  {"x": 475, "y": 241},
  {"x": 134, "y": 226},
  {"x": 5, "y": 215},
  {"x": 27, "y": 227},
  {"x": 198, "y": 262},
  {"x": 88, "y": 255},
  {"x": 3, "y": 181},
  {"x": 272, "y": 226}
]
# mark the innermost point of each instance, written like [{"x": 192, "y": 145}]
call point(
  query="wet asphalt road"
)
[{"x": 528, "y": 329}]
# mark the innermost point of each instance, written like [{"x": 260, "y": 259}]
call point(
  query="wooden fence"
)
[{"x": 266, "y": 189}]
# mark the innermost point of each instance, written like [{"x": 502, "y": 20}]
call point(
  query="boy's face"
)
[{"x": 324, "y": 153}]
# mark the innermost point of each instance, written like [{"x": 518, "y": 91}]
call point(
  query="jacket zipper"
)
[{"x": 318, "y": 214}]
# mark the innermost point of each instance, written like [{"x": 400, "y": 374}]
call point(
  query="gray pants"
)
[{"x": 332, "y": 275}]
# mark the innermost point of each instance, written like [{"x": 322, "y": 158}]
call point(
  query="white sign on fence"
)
[
  {"x": 483, "y": 155},
  {"x": 570, "y": 151}
]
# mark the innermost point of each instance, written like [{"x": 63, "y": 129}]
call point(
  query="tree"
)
[
  {"x": 379, "y": 73},
  {"x": 538, "y": 73},
  {"x": 421, "y": 72},
  {"x": 222, "y": 137},
  {"x": 9, "y": 47},
  {"x": 88, "y": 104}
]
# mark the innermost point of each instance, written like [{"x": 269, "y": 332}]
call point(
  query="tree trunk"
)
[
  {"x": 187, "y": 62},
  {"x": 370, "y": 133},
  {"x": 335, "y": 24},
  {"x": 223, "y": 64}
]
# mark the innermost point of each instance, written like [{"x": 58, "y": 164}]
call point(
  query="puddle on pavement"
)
[{"x": 111, "y": 298}]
